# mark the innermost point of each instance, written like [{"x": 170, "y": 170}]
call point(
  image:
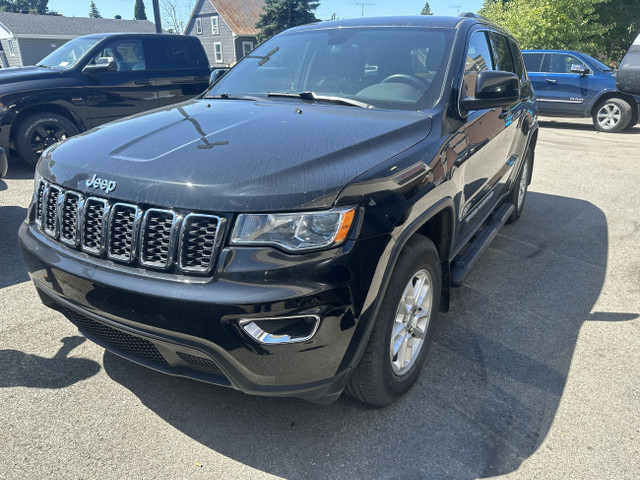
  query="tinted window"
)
[
  {"x": 533, "y": 61},
  {"x": 517, "y": 59},
  {"x": 173, "y": 53},
  {"x": 562, "y": 62},
  {"x": 502, "y": 59},
  {"x": 478, "y": 59},
  {"x": 128, "y": 54},
  {"x": 385, "y": 67}
]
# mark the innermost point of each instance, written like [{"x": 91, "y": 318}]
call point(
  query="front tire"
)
[
  {"x": 520, "y": 188},
  {"x": 38, "y": 131},
  {"x": 400, "y": 339},
  {"x": 612, "y": 115}
]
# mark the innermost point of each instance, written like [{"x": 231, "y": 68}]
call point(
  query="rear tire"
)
[
  {"x": 400, "y": 339},
  {"x": 612, "y": 115},
  {"x": 38, "y": 131}
]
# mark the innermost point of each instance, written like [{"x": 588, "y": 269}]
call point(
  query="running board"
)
[{"x": 462, "y": 264}]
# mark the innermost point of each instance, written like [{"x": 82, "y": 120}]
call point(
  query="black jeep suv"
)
[
  {"x": 295, "y": 230},
  {"x": 95, "y": 79}
]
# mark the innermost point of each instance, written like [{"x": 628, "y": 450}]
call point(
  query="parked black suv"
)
[
  {"x": 296, "y": 229},
  {"x": 95, "y": 79}
]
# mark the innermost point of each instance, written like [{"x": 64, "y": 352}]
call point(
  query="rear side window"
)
[
  {"x": 533, "y": 61},
  {"x": 501, "y": 53},
  {"x": 517, "y": 59},
  {"x": 171, "y": 53}
]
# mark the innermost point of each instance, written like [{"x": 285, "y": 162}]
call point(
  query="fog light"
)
[{"x": 281, "y": 330}]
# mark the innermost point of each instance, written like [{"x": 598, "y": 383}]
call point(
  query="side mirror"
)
[
  {"x": 217, "y": 74},
  {"x": 493, "y": 89},
  {"x": 628, "y": 75},
  {"x": 103, "y": 64},
  {"x": 580, "y": 70}
]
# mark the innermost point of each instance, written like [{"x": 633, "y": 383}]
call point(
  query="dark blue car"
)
[{"x": 573, "y": 84}]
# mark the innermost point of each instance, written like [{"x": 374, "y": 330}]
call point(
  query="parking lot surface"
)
[{"x": 534, "y": 373}]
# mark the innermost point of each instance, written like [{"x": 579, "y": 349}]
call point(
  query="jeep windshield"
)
[
  {"x": 68, "y": 54},
  {"x": 388, "y": 67}
]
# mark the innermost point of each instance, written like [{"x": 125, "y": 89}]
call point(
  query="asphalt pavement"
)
[{"x": 534, "y": 373}]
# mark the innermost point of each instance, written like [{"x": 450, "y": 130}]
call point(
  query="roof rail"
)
[{"x": 471, "y": 15}]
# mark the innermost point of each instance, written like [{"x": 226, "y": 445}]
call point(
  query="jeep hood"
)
[{"x": 234, "y": 155}]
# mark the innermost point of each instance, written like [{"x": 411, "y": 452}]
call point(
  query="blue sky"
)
[{"x": 342, "y": 8}]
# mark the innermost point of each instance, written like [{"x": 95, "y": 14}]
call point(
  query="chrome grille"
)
[
  {"x": 93, "y": 225},
  {"x": 69, "y": 218},
  {"x": 42, "y": 186},
  {"x": 50, "y": 212},
  {"x": 154, "y": 238},
  {"x": 122, "y": 231},
  {"x": 157, "y": 238},
  {"x": 198, "y": 242}
]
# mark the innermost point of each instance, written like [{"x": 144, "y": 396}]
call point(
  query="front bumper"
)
[{"x": 191, "y": 327}]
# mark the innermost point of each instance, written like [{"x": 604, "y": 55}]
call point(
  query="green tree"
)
[
  {"x": 282, "y": 14},
  {"x": 32, "y": 6},
  {"x": 562, "y": 24},
  {"x": 622, "y": 20},
  {"x": 94, "y": 12},
  {"x": 426, "y": 10},
  {"x": 138, "y": 11}
]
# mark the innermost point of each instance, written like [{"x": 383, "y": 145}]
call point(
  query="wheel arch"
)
[
  {"x": 62, "y": 110},
  {"x": 615, "y": 94}
]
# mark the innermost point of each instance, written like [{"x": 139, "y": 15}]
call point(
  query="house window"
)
[
  {"x": 214, "y": 25},
  {"x": 199, "y": 26},
  {"x": 246, "y": 48},
  {"x": 217, "y": 49},
  {"x": 12, "y": 50}
]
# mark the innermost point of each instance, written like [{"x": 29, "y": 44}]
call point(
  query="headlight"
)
[{"x": 294, "y": 231}]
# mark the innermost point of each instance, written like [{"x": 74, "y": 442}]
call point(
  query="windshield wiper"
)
[
  {"x": 226, "y": 96},
  {"x": 320, "y": 98},
  {"x": 264, "y": 59}
]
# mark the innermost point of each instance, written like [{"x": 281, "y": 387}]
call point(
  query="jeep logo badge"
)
[{"x": 107, "y": 185}]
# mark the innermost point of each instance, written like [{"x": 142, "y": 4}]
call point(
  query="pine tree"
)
[
  {"x": 138, "y": 11},
  {"x": 93, "y": 11},
  {"x": 282, "y": 14},
  {"x": 426, "y": 10}
]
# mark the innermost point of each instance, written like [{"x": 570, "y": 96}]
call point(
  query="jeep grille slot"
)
[
  {"x": 40, "y": 202},
  {"x": 157, "y": 238},
  {"x": 51, "y": 211},
  {"x": 175, "y": 242},
  {"x": 122, "y": 232},
  {"x": 198, "y": 242},
  {"x": 69, "y": 218},
  {"x": 92, "y": 230}
]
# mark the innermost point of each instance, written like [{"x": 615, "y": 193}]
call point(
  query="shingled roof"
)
[
  {"x": 26, "y": 25},
  {"x": 240, "y": 15}
]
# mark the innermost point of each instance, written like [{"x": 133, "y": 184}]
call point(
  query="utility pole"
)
[
  {"x": 156, "y": 16},
  {"x": 362, "y": 4},
  {"x": 456, "y": 7}
]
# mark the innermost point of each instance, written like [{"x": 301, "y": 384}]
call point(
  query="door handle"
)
[
  {"x": 548, "y": 80},
  {"x": 142, "y": 82}
]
